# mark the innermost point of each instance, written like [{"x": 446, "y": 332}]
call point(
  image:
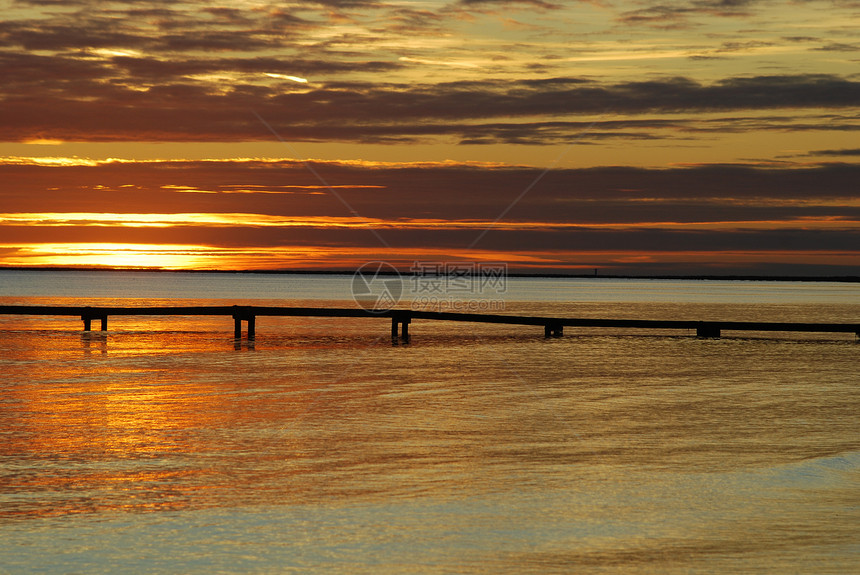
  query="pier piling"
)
[
  {"x": 553, "y": 330},
  {"x": 88, "y": 316},
  {"x": 240, "y": 314},
  {"x": 708, "y": 330},
  {"x": 403, "y": 319}
]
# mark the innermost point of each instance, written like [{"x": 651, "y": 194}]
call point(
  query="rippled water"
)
[{"x": 166, "y": 446}]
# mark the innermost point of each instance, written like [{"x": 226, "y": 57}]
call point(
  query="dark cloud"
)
[
  {"x": 344, "y": 3},
  {"x": 234, "y": 16},
  {"x": 536, "y": 3},
  {"x": 705, "y": 210},
  {"x": 107, "y": 33},
  {"x": 742, "y": 46},
  {"x": 78, "y": 104},
  {"x": 502, "y": 241},
  {"x": 843, "y": 152},
  {"x": 201, "y": 4},
  {"x": 162, "y": 28},
  {"x": 32, "y": 71},
  {"x": 839, "y": 47},
  {"x": 178, "y": 68},
  {"x": 660, "y": 16},
  {"x": 410, "y": 21},
  {"x": 677, "y": 15},
  {"x": 724, "y": 7},
  {"x": 710, "y": 193},
  {"x": 39, "y": 35}
]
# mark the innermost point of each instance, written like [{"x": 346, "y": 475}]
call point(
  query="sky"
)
[{"x": 630, "y": 137}]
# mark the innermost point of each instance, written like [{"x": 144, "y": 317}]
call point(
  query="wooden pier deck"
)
[{"x": 400, "y": 319}]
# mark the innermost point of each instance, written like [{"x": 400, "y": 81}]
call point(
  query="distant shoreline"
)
[{"x": 704, "y": 277}]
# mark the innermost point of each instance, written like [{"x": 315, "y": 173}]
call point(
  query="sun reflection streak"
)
[{"x": 106, "y": 431}]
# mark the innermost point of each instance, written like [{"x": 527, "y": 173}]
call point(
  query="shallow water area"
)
[{"x": 166, "y": 445}]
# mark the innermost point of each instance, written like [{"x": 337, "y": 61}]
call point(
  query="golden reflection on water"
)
[
  {"x": 646, "y": 452},
  {"x": 86, "y": 421}
]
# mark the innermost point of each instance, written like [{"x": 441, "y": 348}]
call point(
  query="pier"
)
[{"x": 400, "y": 319}]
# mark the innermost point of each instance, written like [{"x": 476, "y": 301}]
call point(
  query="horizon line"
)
[{"x": 547, "y": 274}]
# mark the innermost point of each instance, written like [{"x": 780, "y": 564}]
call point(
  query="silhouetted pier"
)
[{"x": 400, "y": 319}]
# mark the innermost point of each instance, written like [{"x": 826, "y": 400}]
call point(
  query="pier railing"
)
[{"x": 400, "y": 319}]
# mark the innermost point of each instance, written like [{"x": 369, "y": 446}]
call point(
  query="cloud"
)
[
  {"x": 166, "y": 71},
  {"x": 409, "y": 20},
  {"x": 453, "y": 64},
  {"x": 677, "y": 15},
  {"x": 448, "y": 192},
  {"x": 801, "y": 39},
  {"x": 534, "y": 3},
  {"x": 176, "y": 27},
  {"x": 660, "y": 16},
  {"x": 839, "y": 47},
  {"x": 842, "y": 152},
  {"x": 286, "y": 77},
  {"x": 709, "y": 212},
  {"x": 193, "y": 72},
  {"x": 401, "y": 73},
  {"x": 80, "y": 105}
]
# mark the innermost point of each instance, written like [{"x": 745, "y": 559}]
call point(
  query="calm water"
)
[{"x": 165, "y": 446}]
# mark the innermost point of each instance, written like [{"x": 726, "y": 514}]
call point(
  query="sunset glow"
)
[
  {"x": 637, "y": 137},
  {"x": 123, "y": 256}
]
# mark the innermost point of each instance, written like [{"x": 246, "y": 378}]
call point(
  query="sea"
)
[{"x": 165, "y": 445}]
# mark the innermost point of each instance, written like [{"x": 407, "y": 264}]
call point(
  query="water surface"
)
[{"x": 166, "y": 446}]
